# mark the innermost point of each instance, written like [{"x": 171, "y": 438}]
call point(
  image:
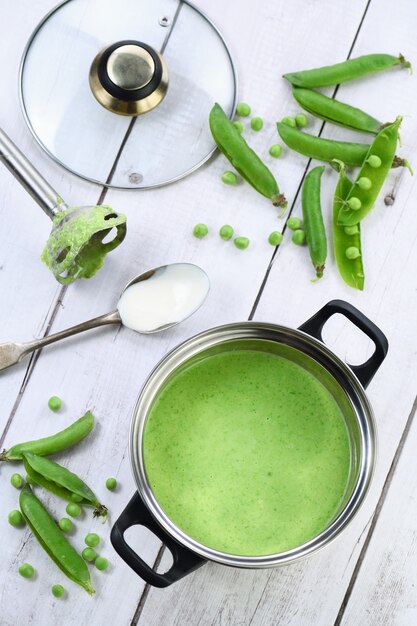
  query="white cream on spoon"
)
[{"x": 170, "y": 295}]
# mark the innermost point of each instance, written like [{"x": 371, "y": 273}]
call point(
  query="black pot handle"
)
[
  {"x": 367, "y": 370},
  {"x": 185, "y": 561}
]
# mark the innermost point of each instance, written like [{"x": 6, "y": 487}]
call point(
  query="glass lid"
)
[{"x": 120, "y": 93}]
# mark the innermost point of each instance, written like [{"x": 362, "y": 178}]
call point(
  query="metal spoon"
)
[{"x": 13, "y": 353}]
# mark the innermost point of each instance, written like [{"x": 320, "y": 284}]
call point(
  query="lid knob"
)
[{"x": 129, "y": 78}]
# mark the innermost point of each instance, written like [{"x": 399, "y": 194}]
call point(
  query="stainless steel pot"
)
[{"x": 305, "y": 346}]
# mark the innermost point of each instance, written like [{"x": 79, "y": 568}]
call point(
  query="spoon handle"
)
[
  {"x": 29, "y": 177},
  {"x": 12, "y": 353}
]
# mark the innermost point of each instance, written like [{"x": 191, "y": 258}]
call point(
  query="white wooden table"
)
[{"x": 368, "y": 576}]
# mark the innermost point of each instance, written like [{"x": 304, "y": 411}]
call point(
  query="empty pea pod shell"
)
[
  {"x": 53, "y": 541},
  {"x": 313, "y": 219},
  {"x": 62, "y": 482},
  {"x": 242, "y": 157},
  {"x": 347, "y": 70},
  {"x": 335, "y": 112},
  {"x": 351, "y": 270},
  {"x": 383, "y": 146}
]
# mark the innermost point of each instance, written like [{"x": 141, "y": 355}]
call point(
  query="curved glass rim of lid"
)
[{"x": 105, "y": 184}]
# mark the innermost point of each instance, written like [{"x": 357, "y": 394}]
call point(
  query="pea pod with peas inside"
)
[
  {"x": 313, "y": 219},
  {"x": 62, "y": 482},
  {"x": 345, "y": 237},
  {"x": 345, "y": 71},
  {"x": 243, "y": 158},
  {"x": 53, "y": 541},
  {"x": 361, "y": 197},
  {"x": 55, "y": 443}
]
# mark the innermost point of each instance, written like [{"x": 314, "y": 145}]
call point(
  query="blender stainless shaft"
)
[{"x": 34, "y": 183}]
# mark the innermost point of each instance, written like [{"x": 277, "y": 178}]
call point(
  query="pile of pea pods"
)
[{"x": 352, "y": 199}]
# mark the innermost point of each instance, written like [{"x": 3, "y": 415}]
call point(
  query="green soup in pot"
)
[{"x": 247, "y": 452}]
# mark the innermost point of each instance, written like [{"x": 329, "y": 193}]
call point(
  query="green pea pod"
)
[
  {"x": 348, "y": 70},
  {"x": 242, "y": 157},
  {"x": 313, "y": 219},
  {"x": 61, "y": 481},
  {"x": 335, "y": 112},
  {"x": 383, "y": 146},
  {"x": 55, "y": 443},
  {"x": 53, "y": 541},
  {"x": 351, "y": 270}
]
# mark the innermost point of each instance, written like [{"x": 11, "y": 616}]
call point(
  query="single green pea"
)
[
  {"x": 92, "y": 540},
  {"x": 226, "y": 232},
  {"x": 351, "y": 230},
  {"x": 352, "y": 253},
  {"x": 229, "y": 178},
  {"x": 26, "y": 570},
  {"x": 298, "y": 237},
  {"x": 257, "y": 123},
  {"x": 16, "y": 518},
  {"x": 73, "y": 509},
  {"x": 243, "y": 109},
  {"x": 301, "y": 120},
  {"x": 275, "y": 238},
  {"x": 58, "y": 591},
  {"x": 75, "y": 497},
  {"x": 200, "y": 231},
  {"x": 89, "y": 554},
  {"x": 101, "y": 563},
  {"x": 364, "y": 183},
  {"x": 275, "y": 150},
  {"x": 65, "y": 524},
  {"x": 111, "y": 484},
  {"x": 374, "y": 161},
  {"x": 239, "y": 126},
  {"x": 289, "y": 121},
  {"x": 241, "y": 242},
  {"x": 54, "y": 403},
  {"x": 294, "y": 223},
  {"x": 16, "y": 480},
  {"x": 354, "y": 203}
]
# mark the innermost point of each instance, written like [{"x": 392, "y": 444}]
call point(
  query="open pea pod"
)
[
  {"x": 62, "y": 482},
  {"x": 53, "y": 541}
]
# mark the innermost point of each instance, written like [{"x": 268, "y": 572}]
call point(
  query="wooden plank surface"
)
[{"x": 105, "y": 369}]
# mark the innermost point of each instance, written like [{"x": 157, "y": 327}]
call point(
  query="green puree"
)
[{"x": 247, "y": 452}]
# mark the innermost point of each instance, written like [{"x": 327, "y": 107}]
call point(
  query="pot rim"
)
[{"x": 362, "y": 410}]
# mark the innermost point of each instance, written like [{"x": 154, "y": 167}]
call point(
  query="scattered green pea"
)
[
  {"x": 294, "y": 223},
  {"x": 241, "y": 242},
  {"x": 65, "y": 524},
  {"x": 354, "y": 203},
  {"x": 351, "y": 230},
  {"x": 89, "y": 554},
  {"x": 239, "y": 126},
  {"x": 15, "y": 518},
  {"x": 200, "y": 231},
  {"x": 275, "y": 150},
  {"x": 229, "y": 178},
  {"x": 101, "y": 563},
  {"x": 257, "y": 123},
  {"x": 243, "y": 109},
  {"x": 111, "y": 484},
  {"x": 54, "y": 403},
  {"x": 352, "y": 253},
  {"x": 26, "y": 570},
  {"x": 289, "y": 121},
  {"x": 16, "y": 480},
  {"x": 364, "y": 183},
  {"x": 58, "y": 591},
  {"x": 374, "y": 161},
  {"x": 92, "y": 540},
  {"x": 73, "y": 509},
  {"x": 275, "y": 238},
  {"x": 298, "y": 237},
  {"x": 301, "y": 120},
  {"x": 226, "y": 232}
]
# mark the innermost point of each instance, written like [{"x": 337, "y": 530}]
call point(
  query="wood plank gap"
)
[
  {"x": 146, "y": 589},
  {"x": 378, "y": 508}
]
